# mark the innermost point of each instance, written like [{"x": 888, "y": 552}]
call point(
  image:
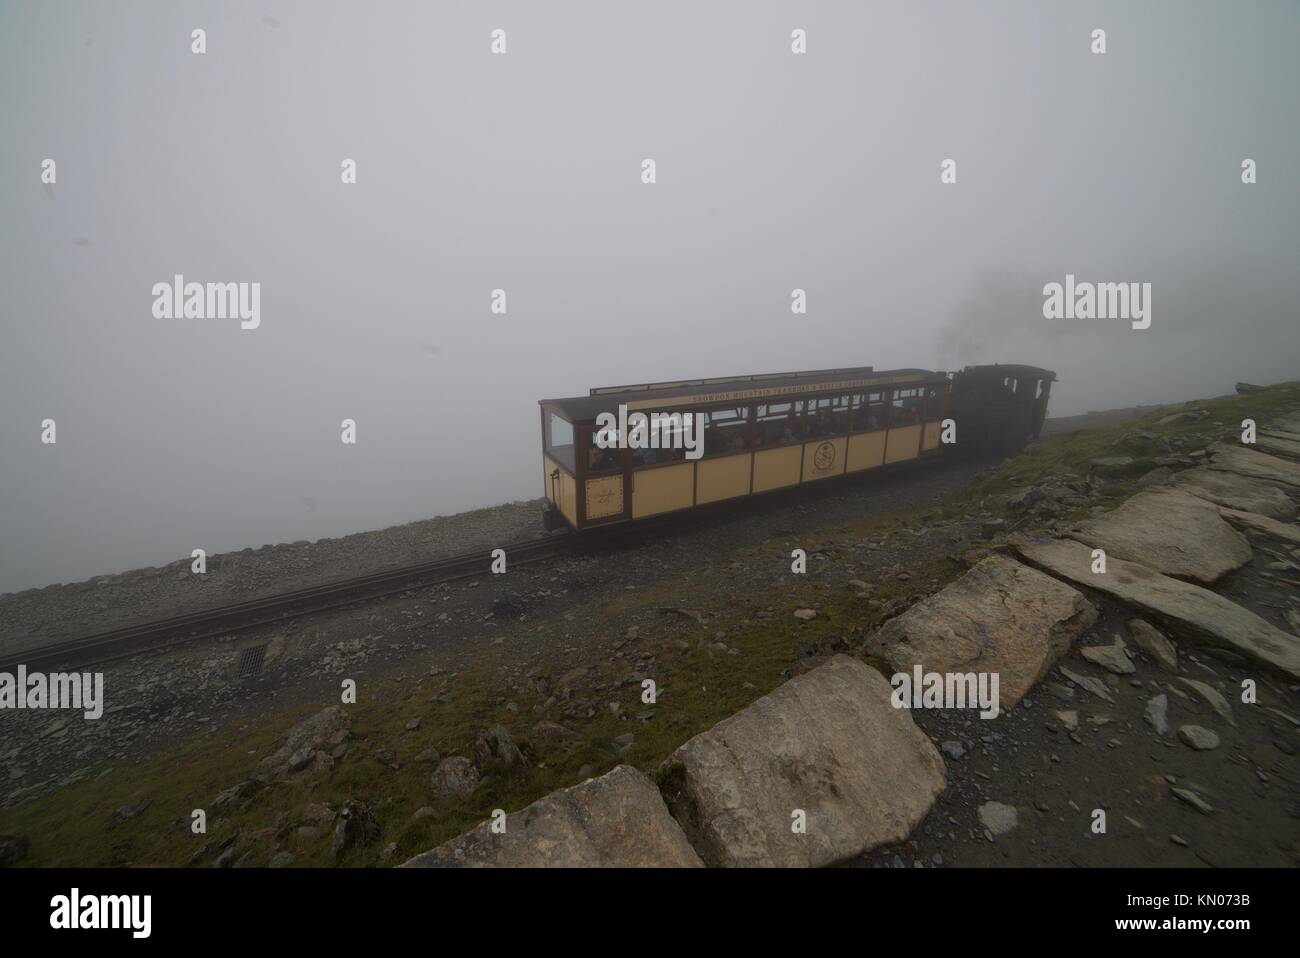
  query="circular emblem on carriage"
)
[{"x": 824, "y": 457}]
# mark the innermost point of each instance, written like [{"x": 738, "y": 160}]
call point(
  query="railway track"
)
[{"x": 209, "y": 623}]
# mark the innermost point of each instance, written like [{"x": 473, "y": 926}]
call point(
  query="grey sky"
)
[{"x": 521, "y": 172}]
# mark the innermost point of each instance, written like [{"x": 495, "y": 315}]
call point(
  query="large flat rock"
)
[
  {"x": 1001, "y": 616},
  {"x": 1277, "y": 445},
  {"x": 1194, "y": 612},
  {"x": 616, "y": 821},
  {"x": 1260, "y": 465},
  {"x": 1236, "y": 492},
  {"x": 1282, "y": 531},
  {"x": 827, "y": 742},
  {"x": 1171, "y": 532}
]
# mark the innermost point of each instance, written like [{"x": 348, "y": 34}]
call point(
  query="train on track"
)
[{"x": 624, "y": 453}]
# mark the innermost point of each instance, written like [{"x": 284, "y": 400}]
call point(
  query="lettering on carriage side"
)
[
  {"x": 1098, "y": 41},
  {"x": 349, "y": 171},
  {"x": 1248, "y": 692},
  {"x": 349, "y": 435},
  {"x": 1248, "y": 432},
  {"x": 83, "y": 691},
  {"x": 76, "y": 911},
  {"x": 498, "y": 45},
  {"x": 498, "y": 303},
  {"x": 1073, "y": 300},
  {"x": 798, "y": 302},
  {"x": 49, "y": 172},
  {"x": 199, "y": 41},
  {"x": 648, "y": 171},
  {"x": 947, "y": 690},
  {"x": 1248, "y": 171},
  {"x": 498, "y": 561},
  {"x": 1099, "y": 821},
  {"x": 1098, "y": 561},
  {"x": 798, "y": 40},
  {"x": 948, "y": 171},
  {"x": 800, "y": 564},
  {"x": 200, "y": 564},
  {"x": 658, "y": 430},
  {"x": 48, "y": 432}
]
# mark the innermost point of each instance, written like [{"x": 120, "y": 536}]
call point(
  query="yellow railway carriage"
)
[{"x": 748, "y": 435}]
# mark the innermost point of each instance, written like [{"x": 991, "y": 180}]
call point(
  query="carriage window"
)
[
  {"x": 870, "y": 412},
  {"x": 670, "y": 445},
  {"x": 559, "y": 441},
  {"x": 828, "y": 417},
  {"x": 726, "y": 431},
  {"x": 935, "y": 401},
  {"x": 779, "y": 424},
  {"x": 603, "y": 460},
  {"x": 907, "y": 407}
]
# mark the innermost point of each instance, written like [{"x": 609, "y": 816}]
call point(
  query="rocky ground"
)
[{"x": 493, "y": 692}]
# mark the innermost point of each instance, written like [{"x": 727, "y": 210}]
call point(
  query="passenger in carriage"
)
[
  {"x": 792, "y": 431},
  {"x": 600, "y": 460}
]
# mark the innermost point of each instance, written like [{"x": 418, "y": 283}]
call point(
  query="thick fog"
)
[{"x": 522, "y": 171}]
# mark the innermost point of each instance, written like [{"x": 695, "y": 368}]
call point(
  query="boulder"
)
[
  {"x": 1260, "y": 465},
  {"x": 455, "y": 778},
  {"x": 356, "y": 826},
  {"x": 496, "y": 749},
  {"x": 827, "y": 743},
  {"x": 618, "y": 820},
  {"x": 1170, "y": 532},
  {"x": 1237, "y": 492},
  {"x": 1196, "y": 612},
  {"x": 307, "y": 745},
  {"x": 1001, "y": 616}
]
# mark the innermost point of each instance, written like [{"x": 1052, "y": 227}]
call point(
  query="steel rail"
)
[{"x": 221, "y": 620}]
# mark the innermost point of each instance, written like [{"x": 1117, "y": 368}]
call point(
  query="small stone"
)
[
  {"x": 998, "y": 818},
  {"x": 1095, "y": 686},
  {"x": 1151, "y": 641},
  {"x": 952, "y": 749},
  {"x": 1113, "y": 657},
  {"x": 1157, "y": 712},
  {"x": 805, "y": 614},
  {"x": 1199, "y": 738},
  {"x": 1213, "y": 697},
  {"x": 1069, "y": 719},
  {"x": 1194, "y": 800}
]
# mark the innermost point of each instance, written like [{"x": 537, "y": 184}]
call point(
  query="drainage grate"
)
[{"x": 250, "y": 660}]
